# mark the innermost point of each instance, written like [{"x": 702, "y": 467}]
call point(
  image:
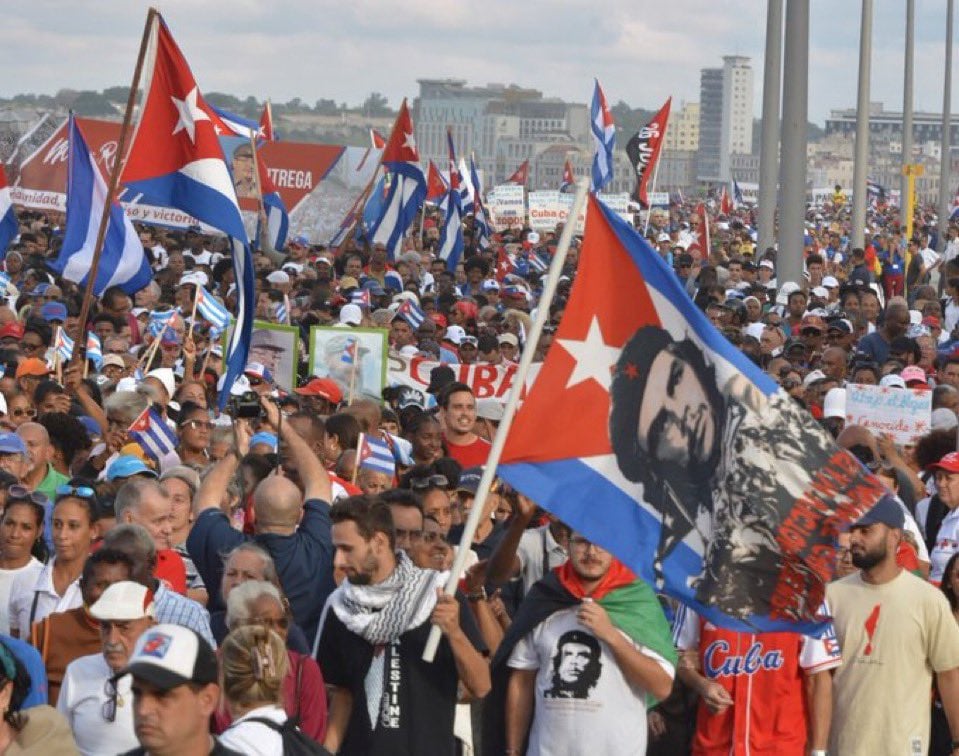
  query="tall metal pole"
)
[
  {"x": 861, "y": 164},
  {"x": 789, "y": 261},
  {"x": 945, "y": 180},
  {"x": 769, "y": 146},
  {"x": 907, "y": 106}
]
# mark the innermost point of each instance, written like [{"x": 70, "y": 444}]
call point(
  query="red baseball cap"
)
[
  {"x": 324, "y": 387},
  {"x": 12, "y": 330},
  {"x": 930, "y": 321},
  {"x": 949, "y": 463},
  {"x": 439, "y": 318}
]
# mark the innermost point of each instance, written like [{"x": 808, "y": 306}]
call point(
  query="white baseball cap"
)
[
  {"x": 168, "y": 656},
  {"x": 123, "y": 601}
]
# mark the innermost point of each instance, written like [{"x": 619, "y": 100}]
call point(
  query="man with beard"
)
[
  {"x": 720, "y": 462},
  {"x": 587, "y": 646},
  {"x": 895, "y": 631},
  {"x": 372, "y": 639}
]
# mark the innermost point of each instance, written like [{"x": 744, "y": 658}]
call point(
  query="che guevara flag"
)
[
  {"x": 688, "y": 462},
  {"x": 643, "y": 151}
]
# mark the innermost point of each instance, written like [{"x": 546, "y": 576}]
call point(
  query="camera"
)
[{"x": 245, "y": 407}]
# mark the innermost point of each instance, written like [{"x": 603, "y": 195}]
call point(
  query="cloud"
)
[{"x": 642, "y": 52}]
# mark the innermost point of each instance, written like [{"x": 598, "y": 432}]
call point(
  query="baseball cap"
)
[
  {"x": 930, "y": 321},
  {"x": 257, "y": 370},
  {"x": 126, "y": 466},
  {"x": 820, "y": 291},
  {"x": 812, "y": 321},
  {"x": 944, "y": 418},
  {"x": 892, "y": 381},
  {"x": 278, "y": 277},
  {"x": 11, "y": 443},
  {"x": 351, "y": 314},
  {"x": 112, "y": 359},
  {"x": 122, "y": 601},
  {"x": 812, "y": 377},
  {"x": 39, "y": 290},
  {"x": 264, "y": 437},
  {"x": 663, "y": 237},
  {"x": 830, "y": 282},
  {"x": 490, "y": 285},
  {"x": 12, "y": 330},
  {"x": 949, "y": 463},
  {"x": 455, "y": 334},
  {"x": 834, "y": 403},
  {"x": 767, "y": 264},
  {"x": 324, "y": 387},
  {"x": 508, "y": 338},
  {"x": 407, "y": 396},
  {"x": 887, "y": 511},
  {"x": 470, "y": 480},
  {"x": 168, "y": 656},
  {"x": 54, "y": 311},
  {"x": 32, "y": 366},
  {"x": 840, "y": 324},
  {"x": 490, "y": 408},
  {"x": 914, "y": 374},
  {"x": 166, "y": 378}
]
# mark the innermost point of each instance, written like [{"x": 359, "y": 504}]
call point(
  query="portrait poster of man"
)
[
  {"x": 688, "y": 462},
  {"x": 331, "y": 352},
  {"x": 275, "y": 346}
]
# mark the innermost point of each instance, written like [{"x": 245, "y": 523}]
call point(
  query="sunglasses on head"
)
[
  {"x": 433, "y": 481},
  {"x": 17, "y": 492},
  {"x": 80, "y": 492}
]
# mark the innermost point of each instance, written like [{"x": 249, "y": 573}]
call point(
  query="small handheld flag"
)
[
  {"x": 153, "y": 435},
  {"x": 349, "y": 352},
  {"x": 521, "y": 176},
  {"x": 376, "y": 455},
  {"x": 411, "y": 313},
  {"x": 604, "y": 138},
  {"x": 211, "y": 309}
]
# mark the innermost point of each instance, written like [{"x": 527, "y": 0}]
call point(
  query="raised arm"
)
[{"x": 316, "y": 482}]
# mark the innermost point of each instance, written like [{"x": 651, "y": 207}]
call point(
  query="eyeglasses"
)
[
  {"x": 24, "y": 412},
  {"x": 80, "y": 492},
  {"x": 198, "y": 424},
  {"x": 790, "y": 385},
  {"x": 21, "y": 493},
  {"x": 109, "y": 709},
  {"x": 433, "y": 481}
]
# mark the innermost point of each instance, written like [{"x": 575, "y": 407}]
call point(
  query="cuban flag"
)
[
  {"x": 9, "y": 228},
  {"x": 688, "y": 463},
  {"x": 569, "y": 178},
  {"x": 407, "y": 187},
  {"x": 411, "y": 313},
  {"x": 266, "y": 130},
  {"x": 211, "y": 309},
  {"x": 231, "y": 124},
  {"x": 63, "y": 345},
  {"x": 436, "y": 186},
  {"x": 94, "y": 349},
  {"x": 481, "y": 228},
  {"x": 737, "y": 196},
  {"x": 376, "y": 455},
  {"x": 373, "y": 208},
  {"x": 176, "y": 161},
  {"x": 153, "y": 435},
  {"x": 160, "y": 320},
  {"x": 277, "y": 219},
  {"x": 451, "y": 240},
  {"x": 348, "y": 357},
  {"x": 467, "y": 188},
  {"x": 281, "y": 312},
  {"x": 604, "y": 137},
  {"x": 123, "y": 262},
  {"x": 377, "y": 143},
  {"x": 361, "y": 298}
]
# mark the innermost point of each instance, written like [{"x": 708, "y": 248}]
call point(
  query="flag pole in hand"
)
[{"x": 519, "y": 382}]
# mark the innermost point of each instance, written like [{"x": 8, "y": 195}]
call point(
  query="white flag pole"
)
[{"x": 519, "y": 380}]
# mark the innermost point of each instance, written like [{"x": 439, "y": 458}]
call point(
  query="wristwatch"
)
[{"x": 478, "y": 595}]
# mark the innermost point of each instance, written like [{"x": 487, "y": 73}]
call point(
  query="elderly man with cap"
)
[
  {"x": 174, "y": 682},
  {"x": 268, "y": 349},
  {"x": 321, "y": 395},
  {"x": 95, "y": 702},
  {"x": 896, "y": 631}
]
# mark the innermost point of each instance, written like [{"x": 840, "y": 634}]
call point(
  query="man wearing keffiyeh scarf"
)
[{"x": 388, "y": 603}]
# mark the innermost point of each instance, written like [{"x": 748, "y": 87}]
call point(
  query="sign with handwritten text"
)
[{"x": 904, "y": 414}]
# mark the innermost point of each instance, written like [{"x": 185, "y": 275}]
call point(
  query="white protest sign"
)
[
  {"x": 506, "y": 205},
  {"x": 619, "y": 204},
  {"x": 486, "y": 380},
  {"x": 904, "y": 414},
  {"x": 548, "y": 208},
  {"x": 658, "y": 199}
]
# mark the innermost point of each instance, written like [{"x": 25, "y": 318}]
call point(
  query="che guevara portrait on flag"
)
[{"x": 723, "y": 463}]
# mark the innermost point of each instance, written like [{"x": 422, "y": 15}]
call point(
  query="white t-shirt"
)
[
  {"x": 83, "y": 697},
  {"x": 33, "y": 594},
  {"x": 582, "y": 702},
  {"x": 6, "y": 583},
  {"x": 255, "y": 738},
  {"x": 535, "y": 546},
  {"x": 947, "y": 544}
]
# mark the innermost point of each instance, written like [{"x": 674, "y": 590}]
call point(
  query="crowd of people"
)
[{"x": 269, "y": 586}]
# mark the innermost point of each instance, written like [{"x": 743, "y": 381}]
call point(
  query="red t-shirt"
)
[{"x": 469, "y": 455}]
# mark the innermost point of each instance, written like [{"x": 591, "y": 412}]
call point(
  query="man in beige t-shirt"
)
[{"x": 895, "y": 631}]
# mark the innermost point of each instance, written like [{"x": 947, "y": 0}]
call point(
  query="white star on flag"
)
[
  {"x": 409, "y": 142},
  {"x": 190, "y": 113},
  {"x": 594, "y": 357}
]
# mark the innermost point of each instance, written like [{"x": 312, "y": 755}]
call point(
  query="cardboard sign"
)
[
  {"x": 904, "y": 414},
  {"x": 506, "y": 205}
]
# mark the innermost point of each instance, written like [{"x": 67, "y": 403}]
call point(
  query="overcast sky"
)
[{"x": 641, "y": 50}]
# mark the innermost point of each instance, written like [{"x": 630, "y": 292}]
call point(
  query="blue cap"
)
[
  {"x": 263, "y": 438},
  {"x": 886, "y": 511},
  {"x": 373, "y": 286},
  {"x": 11, "y": 443},
  {"x": 393, "y": 281},
  {"x": 92, "y": 426},
  {"x": 39, "y": 290},
  {"x": 54, "y": 311},
  {"x": 470, "y": 480},
  {"x": 126, "y": 466}
]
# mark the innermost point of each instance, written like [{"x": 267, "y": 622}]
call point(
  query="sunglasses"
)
[
  {"x": 21, "y": 412},
  {"x": 790, "y": 385},
  {"x": 810, "y": 332},
  {"x": 433, "y": 481},
  {"x": 198, "y": 424},
  {"x": 255, "y": 382},
  {"x": 21, "y": 493},
  {"x": 109, "y": 709},
  {"x": 80, "y": 492}
]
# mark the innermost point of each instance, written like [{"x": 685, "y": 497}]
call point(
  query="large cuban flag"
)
[
  {"x": 687, "y": 462},
  {"x": 9, "y": 228},
  {"x": 407, "y": 186},
  {"x": 176, "y": 161},
  {"x": 123, "y": 262},
  {"x": 451, "y": 240}
]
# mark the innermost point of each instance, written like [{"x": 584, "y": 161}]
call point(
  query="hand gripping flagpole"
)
[
  {"x": 80, "y": 346},
  {"x": 519, "y": 380}
]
